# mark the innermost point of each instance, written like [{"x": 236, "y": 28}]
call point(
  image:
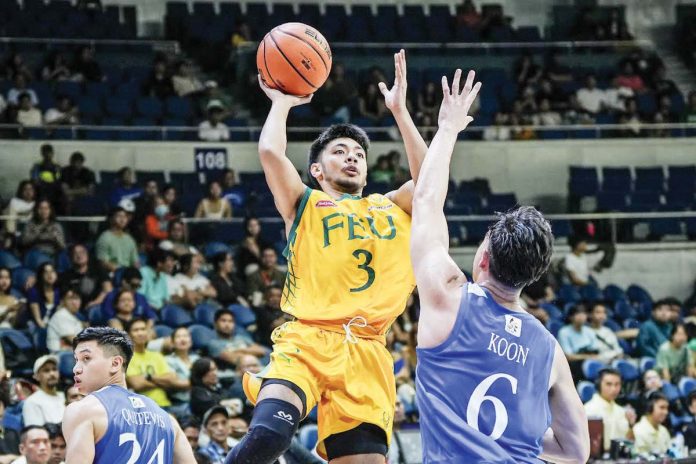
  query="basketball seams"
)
[
  {"x": 292, "y": 65},
  {"x": 270, "y": 76},
  {"x": 311, "y": 45}
]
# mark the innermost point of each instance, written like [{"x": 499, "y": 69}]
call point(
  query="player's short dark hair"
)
[
  {"x": 25, "y": 430},
  {"x": 113, "y": 341},
  {"x": 221, "y": 312},
  {"x": 334, "y": 132},
  {"x": 520, "y": 246}
]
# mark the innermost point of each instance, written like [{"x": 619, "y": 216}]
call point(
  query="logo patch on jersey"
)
[
  {"x": 325, "y": 204},
  {"x": 387, "y": 206},
  {"x": 282, "y": 415},
  {"x": 476, "y": 290},
  {"x": 513, "y": 325},
  {"x": 136, "y": 402}
]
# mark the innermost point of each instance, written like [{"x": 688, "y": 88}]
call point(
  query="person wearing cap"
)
[
  {"x": 47, "y": 404},
  {"x": 215, "y": 424},
  {"x": 115, "y": 247},
  {"x": 213, "y": 129}
]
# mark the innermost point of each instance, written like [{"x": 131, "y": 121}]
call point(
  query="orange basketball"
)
[{"x": 294, "y": 58}]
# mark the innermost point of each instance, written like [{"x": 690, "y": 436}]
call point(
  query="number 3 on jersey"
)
[
  {"x": 479, "y": 396},
  {"x": 364, "y": 266}
]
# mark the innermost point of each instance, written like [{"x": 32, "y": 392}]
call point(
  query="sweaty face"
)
[
  {"x": 92, "y": 368},
  {"x": 343, "y": 165}
]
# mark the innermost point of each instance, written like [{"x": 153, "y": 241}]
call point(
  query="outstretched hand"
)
[
  {"x": 395, "y": 98},
  {"x": 454, "y": 111},
  {"x": 276, "y": 96}
]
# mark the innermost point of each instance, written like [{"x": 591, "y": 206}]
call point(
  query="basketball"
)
[{"x": 294, "y": 58}]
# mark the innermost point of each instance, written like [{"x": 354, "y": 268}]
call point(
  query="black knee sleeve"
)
[{"x": 271, "y": 430}]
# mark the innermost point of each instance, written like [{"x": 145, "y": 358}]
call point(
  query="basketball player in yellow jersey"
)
[{"x": 349, "y": 275}]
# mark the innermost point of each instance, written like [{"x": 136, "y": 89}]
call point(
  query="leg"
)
[
  {"x": 365, "y": 444},
  {"x": 279, "y": 409}
]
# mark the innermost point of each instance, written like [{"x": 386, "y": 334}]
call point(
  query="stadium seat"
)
[
  {"x": 614, "y": 293},
  {"x": 591, "y": 293},
  {"x": 616, "y": 180},
  {"x": 243, "y": 316},
  {"x": 631, "y": 323},
  {"x": 628, "y": 371},
  {"x": 19, "y": 351},
  {"x": 586, "y": 390},
  {"x": 9, "y": 260},
  {"x": 554, "y": 326},
  {"x": 308, "y": 436},
  {"x": 670, "y": 391},
  {"x": 163, "y": 331},
  {"x": 637, "y": 294},
  {"x": 213, "y": 248},
  {"x": 175, "y": 316},
  {"x": 608, "y": 201},
  {"x": 35, "y": 258},
  {"x": 95, "y": 316},
  {"x": 553, "y": 311},
  {"x": 179, "y": 107},
  {"x": 612, "y": 324},
  {"x": 646, "y": 363},
  {"x": 686, "y": 385},
  {"x": 623, "y": 310},
  {"x": 201, "y": 335},
  {"x": 66, "y": 363},
  {"x": 149, "y": 106},
  {"x": 650, "y": 179},
  {"x": 591, "y": 367},
  {"x": 568, "y": 294},
  {"x": 20, "y": 276},
  {"x": 204, "y": 315}
]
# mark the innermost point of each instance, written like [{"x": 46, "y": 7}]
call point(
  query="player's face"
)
[
  {"x": 217, "y": 428},
  {"x": 343, "y": 164},
  {"x": 92, "y": 368}
]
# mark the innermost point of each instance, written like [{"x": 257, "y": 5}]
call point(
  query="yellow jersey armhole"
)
[{"x": 296, "y": 222}]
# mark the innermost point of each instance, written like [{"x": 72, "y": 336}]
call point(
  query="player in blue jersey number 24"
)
[
  {"x": 110, "y": 424},
  {"x": 492, "y": 383}
]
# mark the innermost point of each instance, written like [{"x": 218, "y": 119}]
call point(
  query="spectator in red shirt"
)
[{"x": 629, "y": 78}]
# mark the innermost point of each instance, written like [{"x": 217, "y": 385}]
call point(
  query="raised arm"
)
[
  {"x": 568, "y": 438},
  {"x": 436, "y": 273},
  {"x": 282, "y": 177}
]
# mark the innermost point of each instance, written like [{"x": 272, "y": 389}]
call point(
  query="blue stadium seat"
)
[
  {"x": 308, "y": 436},
  {"x": 591, "y": 293},
  {"x": 175, "y": 316},
  {"x": 500, "y": 202},
  {"x": 439, "y": 24},
  {"x": 638, "y": 294},
  {"x": 70, "y": 89},
  {"x": 119, "y": 107},
  {"x": 528, "y": 34},
  {"x": 204, "y": 315},
  {"x": 647, "y": 103},
  {"x": 591, "y": 367},
  {"x": 284, "y": 13},
  {"x": 90, "y": 106},
  {"x": 628, "y": 371},
  {"x": 678, "y": 200},
  {"x": 616, "y": 180},
  {"x": 586, "y": 390},
  {"x": 213, "y": 248},
  {"x": 612, "y": 324},
  {"x": 645, "y": 201},
  {"x": 242, "y": 315},
  {"x": 20, "y": 275},
  {"x": 568, "y": 294},
  {"x": 163, "y": 331},
  {"x": 66, "y": 362},
  {"x": 149, "y": 106},
  {"x": 665, "y": 226},
  {"x": 646, "y": 363},
  {"x": 650, "y": 179},
  {"x": 686, "y": 385},
  {"x": 309, "y": 13},
  {"x": 201, "y": 335},
  {"x": 611, "y": 201},
  {"x": 204, "y": 9},
  {"x": 35, "y": 258},
  {"x": 554, "y": 326},
  {"x": 631, "y": 323},
  {"x": 681, "y": 179},
  {"x": 14, "y": 341},
  {"x": 623, "y": 309},
  {"x": 670, "y": 391},
  {"x": 476, "y": 230},
  {"x": 583, "y": 181},
  {"x": 9, "y": 260},
  {"x": 95, "y": 316},
  {"x": 561, "y": 228},
  {"x": 553, "y": 311}
]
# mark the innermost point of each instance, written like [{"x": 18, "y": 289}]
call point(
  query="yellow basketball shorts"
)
[{"x": 352, "y": 383}]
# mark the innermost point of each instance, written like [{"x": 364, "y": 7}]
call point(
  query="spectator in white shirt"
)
[
  {"x": 547, "y": 116},
  {"x": 500, "y": 130},
  {"x": 47, "y": 404},
  {"x": 649, "y": 433},
  {"x": 184, "y": 81},
  {"x": 576, "y": 262},
  {"x": 192, "y": 286},
  {"x": 607, "y": 341},
  {"x": 21, "y": 205},
  {"x": 615, "y": 96},
  {"x": 34, "y": 445},
  {"x": 64, "y": 324},
  {"x": 213, "y": 129},
  {"x": 590, "y": 98},
  {"x": 28, "y": 115},
  {"x": 616, "y": 419},
  {"x": 20, "y": 87},
  {"x": 63, "y": 114}
]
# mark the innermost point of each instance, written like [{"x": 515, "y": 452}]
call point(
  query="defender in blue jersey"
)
[
  {"x": 111, "y": 424},
  {"x": 493, "y": 386}
]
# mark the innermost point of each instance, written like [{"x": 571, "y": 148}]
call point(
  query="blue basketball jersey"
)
[
  {"x": 138, "y": 430},
  {"x": 483, "y": 393}
]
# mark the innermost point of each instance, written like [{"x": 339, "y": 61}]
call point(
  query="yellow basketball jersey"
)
[{"x": 346, "y": 258}]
